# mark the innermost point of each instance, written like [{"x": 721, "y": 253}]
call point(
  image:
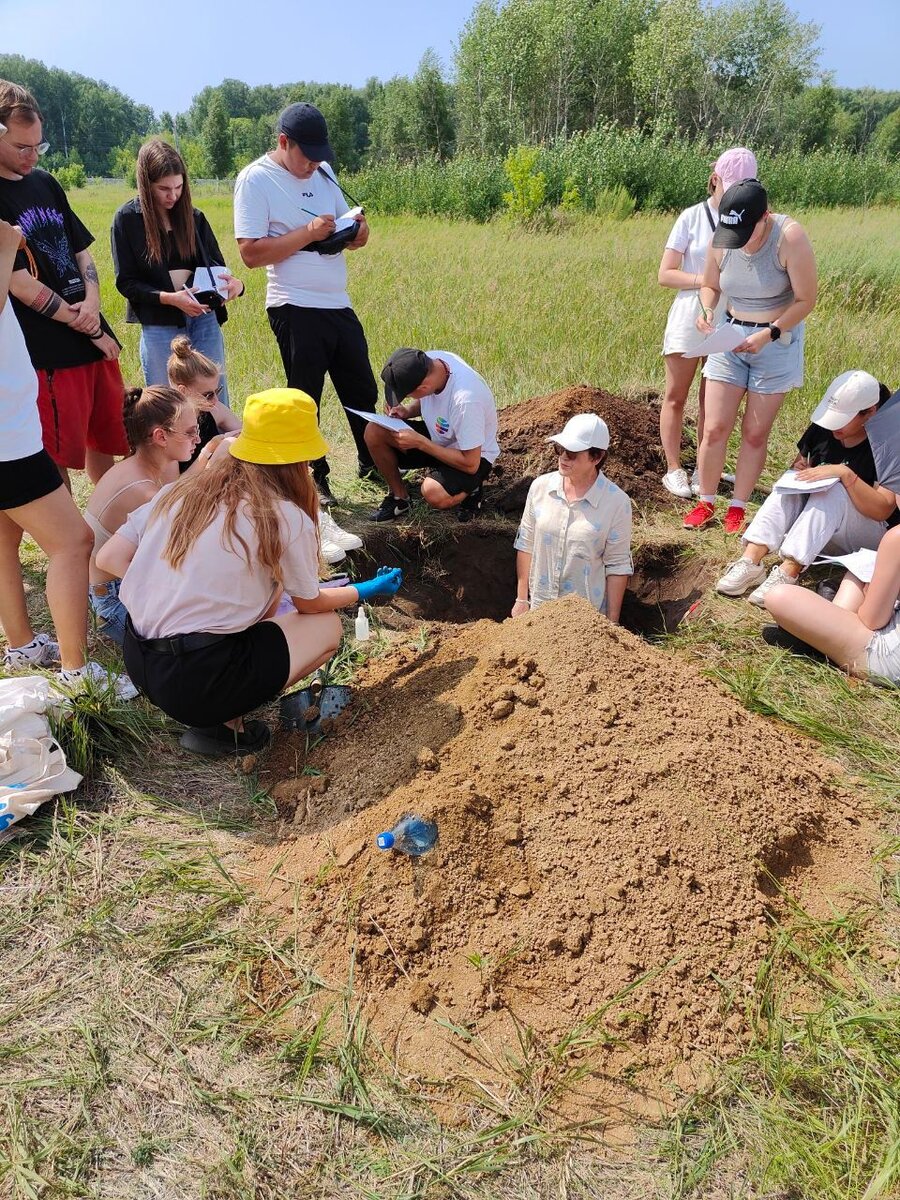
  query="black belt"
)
[
  {"x": 179, "y": 644},
  {"x": 753, "y": 324}
]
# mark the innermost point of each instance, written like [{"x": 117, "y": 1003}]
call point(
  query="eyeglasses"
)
[
  {"x": 40, "y": 149},
  {"x": 193, "y": 432},
  {"x": 214, "y": 394}
]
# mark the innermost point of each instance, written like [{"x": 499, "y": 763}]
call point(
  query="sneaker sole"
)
[
  {"x": 736, "y": 595},
  {"x": 198, "y": 743}
]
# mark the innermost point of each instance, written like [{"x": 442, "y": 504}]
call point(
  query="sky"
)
[{"x": 163, "y": 54}]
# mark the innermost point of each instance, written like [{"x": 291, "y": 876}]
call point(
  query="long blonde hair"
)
[{"x": 230, "y": 484}]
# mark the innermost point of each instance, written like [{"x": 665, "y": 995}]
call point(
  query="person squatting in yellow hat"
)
[{"x": 203, "y": 571}]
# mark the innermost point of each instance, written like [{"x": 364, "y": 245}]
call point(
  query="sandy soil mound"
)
[
  {"x": 606, "y": 816},
  {"x": 635, "y": 460}
]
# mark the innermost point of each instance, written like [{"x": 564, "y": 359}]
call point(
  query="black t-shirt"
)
[
  {"x": 820, "y": 447},
  {"x": 54, "y": 235}
]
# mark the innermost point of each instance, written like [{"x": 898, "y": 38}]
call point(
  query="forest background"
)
[{"x": 592, "y": 104}]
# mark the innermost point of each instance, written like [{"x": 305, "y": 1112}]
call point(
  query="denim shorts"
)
[
  {"x": 883, "y": 652},
  {"x": 771, "y": 371},
  {"x": 110, "y": 611}
]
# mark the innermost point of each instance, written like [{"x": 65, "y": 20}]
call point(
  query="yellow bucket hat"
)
[{"x": 280, "y": 426}]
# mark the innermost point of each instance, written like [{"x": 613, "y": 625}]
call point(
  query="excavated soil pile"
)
[
  {"x": 635, "y": 460},
  {"x": 605, "y": 814}
]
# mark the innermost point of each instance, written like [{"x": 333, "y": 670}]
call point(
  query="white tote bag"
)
[{"x": 32, "y": 763}]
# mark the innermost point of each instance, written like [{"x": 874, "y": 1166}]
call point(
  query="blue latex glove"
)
[{"x": 386, "y": 583}]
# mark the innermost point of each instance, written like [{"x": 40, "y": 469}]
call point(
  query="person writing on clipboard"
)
[
  {"x": 456, "y": 438},
  {"x": 288, "y": 210}
]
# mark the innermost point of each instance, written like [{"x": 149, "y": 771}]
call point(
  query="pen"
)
[{"x": 306, "y": 210}]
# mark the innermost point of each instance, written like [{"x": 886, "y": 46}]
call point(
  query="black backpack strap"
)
[
  {"x": 709, "y": 215},
  {"x": 333, "y": 179}
]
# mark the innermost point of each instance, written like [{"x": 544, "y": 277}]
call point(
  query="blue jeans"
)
[
  {"x": 111, "y": 612},
  {"x": 205, "y": 335}
]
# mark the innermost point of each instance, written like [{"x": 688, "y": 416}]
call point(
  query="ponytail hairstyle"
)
[
  {"x": 147, "y": 409},
  {"x": 157, "y": 159},
  {"x": 186, "y": 365}
]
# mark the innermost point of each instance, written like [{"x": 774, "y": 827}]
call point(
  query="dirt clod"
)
[{"x": 502, "y": 709}]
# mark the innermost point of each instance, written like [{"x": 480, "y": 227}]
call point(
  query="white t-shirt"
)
[
  {"x": 20, "y": 425},
  {"x": 690, "y": 236},
  {"x": 464, "y": 414},
  {"x": 268, "y": 202},
  {"x": 214, "y": 590}
]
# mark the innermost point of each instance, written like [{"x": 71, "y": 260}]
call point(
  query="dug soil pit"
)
[
  {"x": 635, "y": 459},
  {"x": 597, "y": 907}
]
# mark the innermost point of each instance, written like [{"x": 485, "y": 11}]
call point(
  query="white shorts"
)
[
  {"x": 681, "y": 329},
  {"x": 883, "y": 651}
]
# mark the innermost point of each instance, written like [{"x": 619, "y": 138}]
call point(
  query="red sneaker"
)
[
  {"x": 735, "y": 519},
  {"x": 699, "y": 516}
]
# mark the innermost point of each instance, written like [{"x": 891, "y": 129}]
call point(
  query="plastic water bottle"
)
[
  {"x": 411, "y": 835},
  {"x": 362, "y": 625}
]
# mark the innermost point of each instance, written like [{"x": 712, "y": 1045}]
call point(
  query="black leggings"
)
[{"x": 316, "y": 341}]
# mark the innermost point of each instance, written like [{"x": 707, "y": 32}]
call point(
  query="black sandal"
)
[{"x": 216, "y": 741}]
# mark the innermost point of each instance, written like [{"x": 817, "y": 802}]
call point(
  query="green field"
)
[{"x": 138, "y": 1058}]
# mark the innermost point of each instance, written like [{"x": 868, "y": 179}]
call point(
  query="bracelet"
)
[{"x": 95, "y": 337}]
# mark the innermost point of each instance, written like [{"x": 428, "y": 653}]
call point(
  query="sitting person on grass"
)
[
  {"x": 456, "y": 439},
  {"x": 162, "y": 431},
  {"x": 851, "y": 515},
  {"x": 860, "y": 629},
  {"x": 574, "y": 538},
  {"x": 203, "y": 571}
]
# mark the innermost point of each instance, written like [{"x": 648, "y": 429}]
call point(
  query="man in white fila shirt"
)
[
  {"x": 285, "y": 205},
  {"x": 456, "y": 438}
]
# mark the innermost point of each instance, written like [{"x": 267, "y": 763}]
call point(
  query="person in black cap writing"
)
[
  {"x": 763, "y": 262},
  {"x": 456, "y": 438},
  {"x": 285, "y": 206}
]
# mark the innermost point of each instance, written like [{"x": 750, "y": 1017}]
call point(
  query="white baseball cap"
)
[
  {"x": 847, "y": 395},
  {"x": 587, "y": 431}
]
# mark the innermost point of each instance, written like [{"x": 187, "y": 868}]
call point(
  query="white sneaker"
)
[
  {"x": 331, "y": 552},
  {"x": 727, "y": 477},
  {"x": 776, "y": 576},
  {"x": 332, "y": 532},
  {"x": 695, "y": 483},
  {"x": 677, "y": 483},
  {"x": 740, "y": 577},
  {"x": 93, "y": 673},
  {"x": 41, "y": 651}
]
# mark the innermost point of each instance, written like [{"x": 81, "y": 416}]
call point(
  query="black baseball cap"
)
[
  {"x": 740, "y": 210},
  {"x": 305, "y": 125},
  {"x": 403, "y": 372}
]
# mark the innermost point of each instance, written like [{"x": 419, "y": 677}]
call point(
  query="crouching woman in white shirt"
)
[
  {"x": 574, "y": 538},
  {"x": 204, "y": 567}
]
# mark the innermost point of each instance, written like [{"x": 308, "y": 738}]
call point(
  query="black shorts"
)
[
  {"x": 25, "y": 480},
  {"x": 451, "y": 480},
  {"x": 217, "y": 683}
]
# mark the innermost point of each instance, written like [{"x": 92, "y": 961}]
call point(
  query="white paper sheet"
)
[
  {"x": 347, "y": 219},
  {"x": 726, "y": 337},
  {"x": 380, "y": 419},
  {"x": 204, "y": 283},
  {"x": 860, "y": 562},
  {"x": 791, "y": 484}
]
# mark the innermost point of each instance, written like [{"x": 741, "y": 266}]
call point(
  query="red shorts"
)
[{"x": 81, "y": 409}]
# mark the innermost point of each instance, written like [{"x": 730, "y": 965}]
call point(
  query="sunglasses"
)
[{"x": 214, "y": 394}]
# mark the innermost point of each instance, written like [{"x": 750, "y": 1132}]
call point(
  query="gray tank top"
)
[{"x": 757, "y": 282}]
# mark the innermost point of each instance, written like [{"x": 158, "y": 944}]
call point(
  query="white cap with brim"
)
[
  {"x": 587, "y": 431},
  {"x": 849, "y": 394}
]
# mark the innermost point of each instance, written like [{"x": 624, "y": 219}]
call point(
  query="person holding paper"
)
[
  {"x": 285, "y": 205},
  {"x": 164, "y": 251},
  {"x": 854, "y": 513},
  {"x": 682, "y": 268},
  {"x": 860, "y": 629},
  {"x": 764, "y": 263},
  {"x": 456, "y": 438}
]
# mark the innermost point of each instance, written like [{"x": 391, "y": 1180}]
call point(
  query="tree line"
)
[{"x": 525, "y": 72}]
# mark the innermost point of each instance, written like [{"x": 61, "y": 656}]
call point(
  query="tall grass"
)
[{"x": 660, "y": 175}]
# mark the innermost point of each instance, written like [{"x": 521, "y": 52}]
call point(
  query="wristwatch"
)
[{"x": 775, "y": 332}]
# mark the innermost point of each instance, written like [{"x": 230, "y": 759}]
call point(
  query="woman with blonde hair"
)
[
  {"x": 159, "y": 240},
  {"x": 199, "y": 380},
  {"x": 204, "y": 570},
  {"x": 162, "y": 433}
]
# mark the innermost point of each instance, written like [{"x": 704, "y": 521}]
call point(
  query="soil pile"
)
[
  {"x": 635, "y": 460},
  {"x": 608, "y": 818}
]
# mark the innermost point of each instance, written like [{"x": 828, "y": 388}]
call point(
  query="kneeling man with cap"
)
[
  {"x": 574, "y": 538},
  {"x": 456, "y": 438}
]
